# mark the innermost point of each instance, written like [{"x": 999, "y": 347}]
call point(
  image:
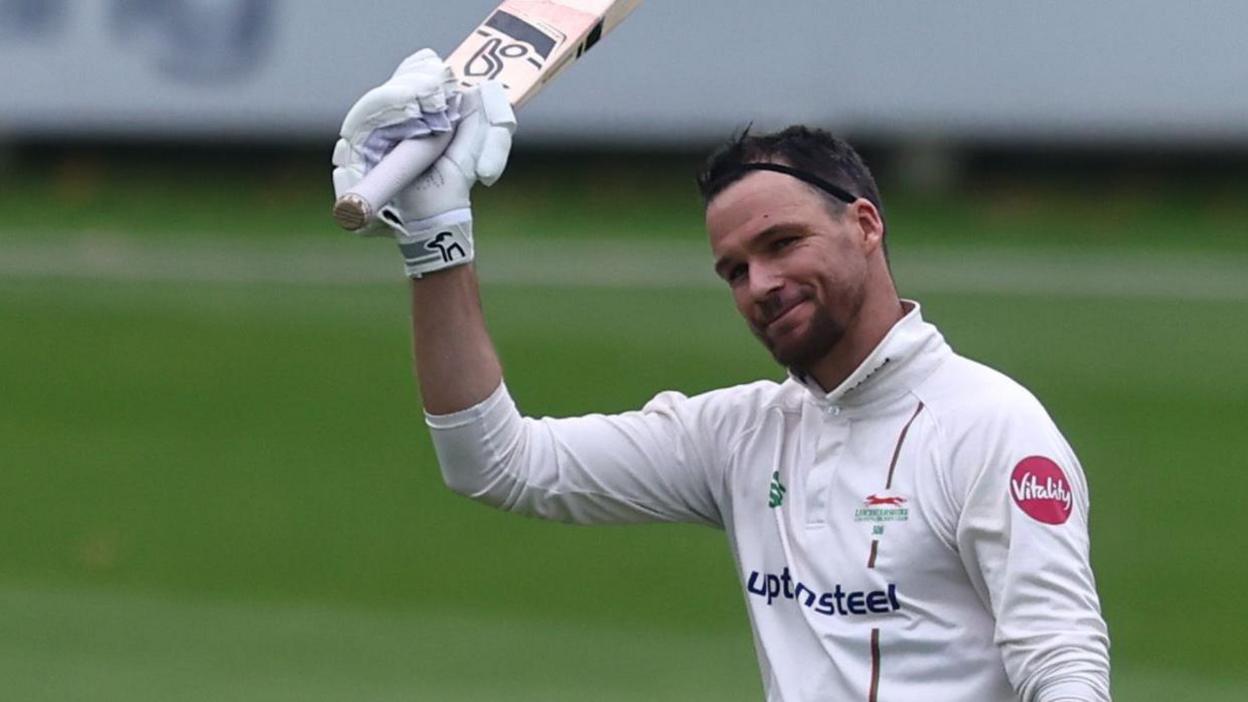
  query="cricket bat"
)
[{"x": 523, "y": 44}]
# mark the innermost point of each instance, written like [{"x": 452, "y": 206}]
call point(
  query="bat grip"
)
[{"x": 358, "y": 206}]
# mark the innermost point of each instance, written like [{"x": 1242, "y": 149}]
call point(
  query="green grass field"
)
[{"x": 216, "y": 483}]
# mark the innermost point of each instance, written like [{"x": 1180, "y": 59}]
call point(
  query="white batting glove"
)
[
  {"x": 419, "y": 100},
  {"x": 431, "y": 218}
]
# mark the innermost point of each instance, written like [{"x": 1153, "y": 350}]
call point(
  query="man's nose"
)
[{"x": 764, "y": 281}]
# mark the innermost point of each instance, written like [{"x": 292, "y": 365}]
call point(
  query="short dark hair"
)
[{"x": 804, "y": 148}]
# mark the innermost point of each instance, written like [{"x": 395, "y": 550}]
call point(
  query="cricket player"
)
[{"x": 906, "y": 523}]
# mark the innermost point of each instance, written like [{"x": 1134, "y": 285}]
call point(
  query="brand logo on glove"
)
[
  {"x": 449, "y": 253},
  {"x": 1040, "y": 489}
]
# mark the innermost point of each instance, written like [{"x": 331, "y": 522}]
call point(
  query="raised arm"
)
[
  {"x": 432, "y": 218},
  {"x": 456, "y": 364},
  {"x": 639, "y": 466}
]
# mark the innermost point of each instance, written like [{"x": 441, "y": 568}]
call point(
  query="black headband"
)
[{"x": 833, "y": 190}]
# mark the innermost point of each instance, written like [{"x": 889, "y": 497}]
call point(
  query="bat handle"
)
[{"x": 356, "y": 208}]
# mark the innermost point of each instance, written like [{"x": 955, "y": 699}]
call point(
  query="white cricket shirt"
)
[{"x": 918, "y": 533}]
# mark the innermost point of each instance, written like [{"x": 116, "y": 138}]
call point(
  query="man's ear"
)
[{"x": 870, "y": 224}]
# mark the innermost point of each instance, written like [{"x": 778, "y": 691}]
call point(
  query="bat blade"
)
[
  {"x": 526, "y": 43},
  {"x": 523, "y": 44}
]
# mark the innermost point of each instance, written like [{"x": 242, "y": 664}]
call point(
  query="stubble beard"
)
[
  {"x": 824, "y": 331},
  {"x": 822, "y": 335}
]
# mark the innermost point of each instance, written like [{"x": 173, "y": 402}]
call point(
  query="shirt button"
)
[{"x": 832, "y": 410}]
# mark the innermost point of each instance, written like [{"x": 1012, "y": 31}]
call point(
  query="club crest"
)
[{"x": 882, "y": 507}]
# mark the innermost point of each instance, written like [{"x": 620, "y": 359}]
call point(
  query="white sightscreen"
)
[{"x": 677, "y": 70}]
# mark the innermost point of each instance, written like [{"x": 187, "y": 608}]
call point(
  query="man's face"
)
[{"x": 796, "y": 270}]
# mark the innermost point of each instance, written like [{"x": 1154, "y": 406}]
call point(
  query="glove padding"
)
[
  {"x": 419, "y": 99},
  {"x": 431, "y": 218}
]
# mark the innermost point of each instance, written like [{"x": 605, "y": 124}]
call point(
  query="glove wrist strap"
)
[{"x": 435, "y": 243}]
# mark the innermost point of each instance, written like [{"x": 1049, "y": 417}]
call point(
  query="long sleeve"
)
[
  {"x": 648, "y": 465},
  {"x": 1023, "y": 536}
]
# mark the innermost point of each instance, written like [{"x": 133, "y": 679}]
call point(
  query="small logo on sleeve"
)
[{"x": 1039, "y": 488}]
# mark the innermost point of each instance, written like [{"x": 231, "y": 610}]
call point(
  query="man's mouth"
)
[{"x": 782, "y": 314}]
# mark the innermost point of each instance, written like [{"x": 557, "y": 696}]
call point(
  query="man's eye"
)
[
  {"x": 735, "y": 274},
  {"x": 782, "y": 242}
]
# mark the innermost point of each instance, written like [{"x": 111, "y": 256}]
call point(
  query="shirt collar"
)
[{"x": 908, "y": 353}]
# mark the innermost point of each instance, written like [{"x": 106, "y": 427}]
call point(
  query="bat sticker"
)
[{"x": 516, "y": 39}]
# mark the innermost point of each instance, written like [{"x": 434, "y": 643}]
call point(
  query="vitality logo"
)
[
  {"x": 1041, "y": 490},
  {"x": 776, "y": 496}
]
